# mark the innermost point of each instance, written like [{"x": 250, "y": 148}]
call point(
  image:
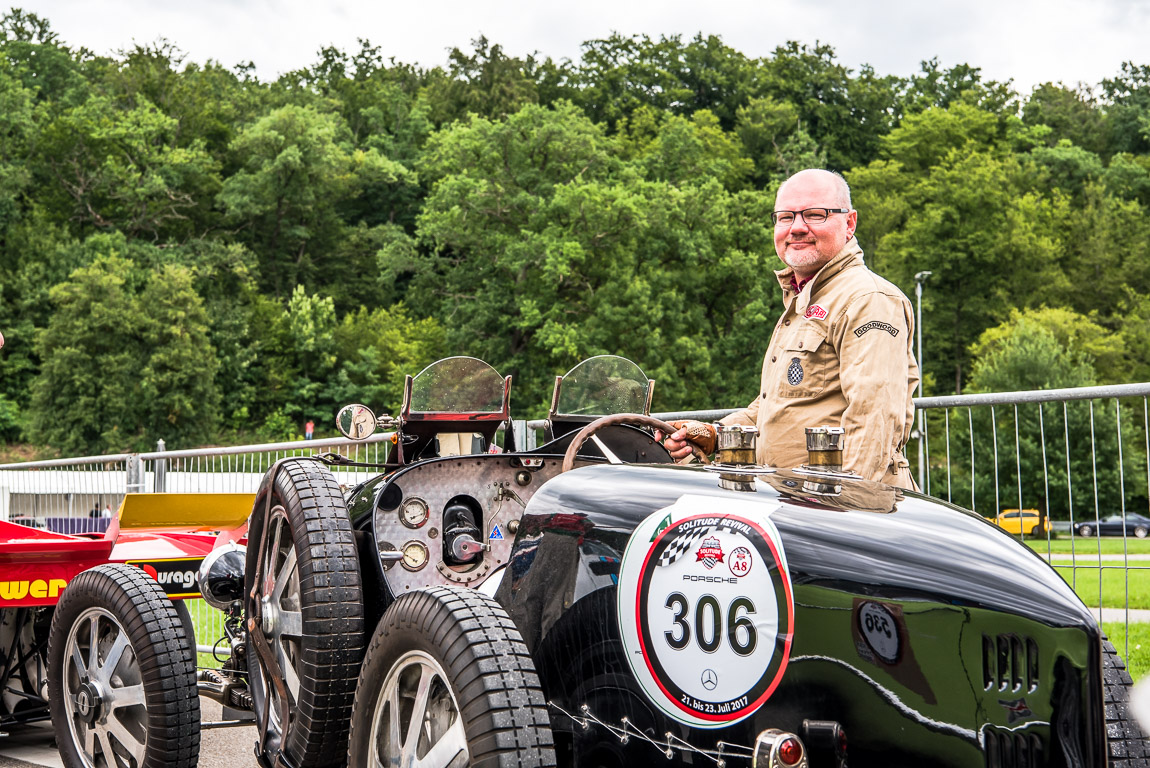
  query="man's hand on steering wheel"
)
[{"x": 689, "y": 433}]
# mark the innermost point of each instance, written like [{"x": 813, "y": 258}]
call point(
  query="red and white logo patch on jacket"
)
[{"x": 815, "y": 311}]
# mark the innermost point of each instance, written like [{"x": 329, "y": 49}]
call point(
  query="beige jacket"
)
[{"x": 841, "y": 355}]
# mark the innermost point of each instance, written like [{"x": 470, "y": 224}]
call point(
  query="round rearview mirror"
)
[{"x": 355, "y": 421}]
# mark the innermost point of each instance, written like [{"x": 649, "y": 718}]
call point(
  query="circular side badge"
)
[
  {"x": 878, "y": 626},
  {"x": 706, "y": 611}
]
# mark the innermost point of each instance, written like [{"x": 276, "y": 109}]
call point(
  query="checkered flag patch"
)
[
  {"x": 682, "y": 544},
  {"x": 794, "y": 372}
]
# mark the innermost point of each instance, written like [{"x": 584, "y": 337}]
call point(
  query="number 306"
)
[{"x": 708, "y": 624}]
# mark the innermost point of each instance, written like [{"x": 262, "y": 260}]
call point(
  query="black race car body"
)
[{"x": 920, "y": 631}]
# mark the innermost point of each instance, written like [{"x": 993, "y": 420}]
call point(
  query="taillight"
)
[{"x": 790, "y": 751}]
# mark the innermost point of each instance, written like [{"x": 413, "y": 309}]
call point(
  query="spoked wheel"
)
[
  {"x": 1085, "y": 530},
  {"x": 448, "y": 682},
  {"x": 121, "y": 674},
  {"x": 304, "y": 604}
]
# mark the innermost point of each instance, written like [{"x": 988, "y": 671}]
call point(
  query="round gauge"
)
[
  {"x": 414, "y": 512},
  {"x": 415, "y": 555}
]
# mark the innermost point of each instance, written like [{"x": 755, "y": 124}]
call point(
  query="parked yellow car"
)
[{"x": 1028, "y": 522}]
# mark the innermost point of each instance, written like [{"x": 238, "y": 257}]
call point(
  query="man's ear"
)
[{"x": 852, "y": 223}]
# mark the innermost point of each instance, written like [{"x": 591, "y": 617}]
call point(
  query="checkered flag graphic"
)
[
  {"x": 682, "y": 544},
  {"x": 794, "y": 372}
]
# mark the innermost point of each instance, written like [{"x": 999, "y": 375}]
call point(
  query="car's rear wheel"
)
[
  {"x": 303, "y": 588},
  {"x": 448, "y": 681},
  {"x": 1141, "y": 531},
  {"x": 122, "y": 674},
  {"x": 1085, "y": 530},
  {"x": 1128, "y": 745}
]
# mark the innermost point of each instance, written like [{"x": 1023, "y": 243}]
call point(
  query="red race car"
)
[{"x": 94, "y": 633}]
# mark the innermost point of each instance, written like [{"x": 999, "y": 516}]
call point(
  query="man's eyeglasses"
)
[{"x": 810, "y": 215}]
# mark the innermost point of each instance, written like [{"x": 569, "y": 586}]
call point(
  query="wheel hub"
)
[
  {"x": 268, "y": 615},
  {"x": 89, "y": 703}
]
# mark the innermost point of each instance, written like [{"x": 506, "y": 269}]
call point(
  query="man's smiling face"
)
[{"x": 807, "y": 247}]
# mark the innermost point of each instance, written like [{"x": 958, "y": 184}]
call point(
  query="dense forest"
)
[{"x": 188, "y": 252}]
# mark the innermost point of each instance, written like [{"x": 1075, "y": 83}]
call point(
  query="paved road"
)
[
  {"x": 1137, "y": 615},
  {"x": 219, "y": 747}
]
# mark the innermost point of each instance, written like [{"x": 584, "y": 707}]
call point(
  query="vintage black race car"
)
[{"x": 591, "y": 603}]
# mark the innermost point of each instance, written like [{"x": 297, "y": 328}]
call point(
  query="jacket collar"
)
[{"x": 850, "y": 255}]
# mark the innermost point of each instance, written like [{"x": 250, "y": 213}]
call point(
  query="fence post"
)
[
  {"x": 161, "y": 468},
  {"x": 135, "y": 479}
]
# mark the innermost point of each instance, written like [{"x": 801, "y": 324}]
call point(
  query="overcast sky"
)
[{"x": 1029, "y": 41}]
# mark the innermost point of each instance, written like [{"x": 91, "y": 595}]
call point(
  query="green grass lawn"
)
[
  {"x": 1137, "y": 657},
  {"x": 1111, "y": 545},
  {"x": 209, "y": 624},
  {"x": 1119, "y": 589}
]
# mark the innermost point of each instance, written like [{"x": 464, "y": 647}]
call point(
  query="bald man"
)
[{"x": 841, "y": 354}]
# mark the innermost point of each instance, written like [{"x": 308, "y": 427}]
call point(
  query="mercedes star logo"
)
[{"x": 709, "y": 679}]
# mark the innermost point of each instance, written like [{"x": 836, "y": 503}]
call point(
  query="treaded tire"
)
[
  {"x": 1085, "y": 530},
  {"x": 1127, "y": 745},
  {"x": 461, "y": 640},
  {"x": 187, "y": 623},
  {"x": 143, "y": 674},
  {"x": 311, "y": 604}
]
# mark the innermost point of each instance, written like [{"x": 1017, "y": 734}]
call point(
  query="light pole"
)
[{"x": 919, "y": 279}]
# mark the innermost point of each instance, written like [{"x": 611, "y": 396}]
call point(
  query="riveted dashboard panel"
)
[{"x": 408, "y": 515}]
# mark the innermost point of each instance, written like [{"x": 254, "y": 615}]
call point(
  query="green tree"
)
[
  {"x": 1069, "y": 168},
  {"x": 377, "y": 349},
  {"x": 123, "y": 170},
  {"x": 1071, "y": 114},
  {"x": 685, "y": 150},
  {"x": 125, "y": 361},
  {"x": 846, "y": 117},
  {"x": 934, "y": 87},
  {"x": 485, "y": 82},
  {"x": 284, "y": 199},
  {"x": 1128, "y": 110},
  {"x": 974, "y": 223},
  {"x": 546, "y": 248},
  {"x": 1020, "y": 457},
  {"x": 1079, "y": 336}
]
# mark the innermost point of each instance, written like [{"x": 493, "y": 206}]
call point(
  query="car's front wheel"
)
[
  {"x": 448, "y": 682},
  {"x": 122, "y": 674},
  {"x": 1085, "y": 530}
]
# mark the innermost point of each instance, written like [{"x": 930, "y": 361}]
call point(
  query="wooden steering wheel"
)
[{"x": 634, "y": 419}]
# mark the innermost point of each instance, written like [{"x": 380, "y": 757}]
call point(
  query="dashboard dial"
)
[
  {"x": 415, "y": 556},
  {"x": 414, "y": 512}
]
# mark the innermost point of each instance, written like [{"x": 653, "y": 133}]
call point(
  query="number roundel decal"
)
[{"x": 706, "y": 610}]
